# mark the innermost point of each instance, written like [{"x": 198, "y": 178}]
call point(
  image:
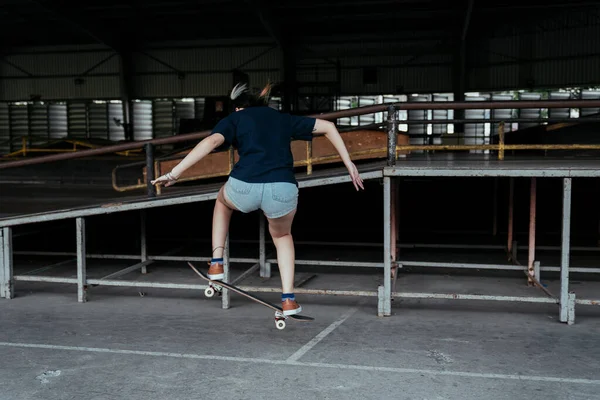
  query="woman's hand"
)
[
  {"x": 167, "y": 179},
  {"x": 356, "y": 179}
]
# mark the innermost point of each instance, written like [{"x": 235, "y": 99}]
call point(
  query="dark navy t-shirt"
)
[{"x": 262, "y": 137}]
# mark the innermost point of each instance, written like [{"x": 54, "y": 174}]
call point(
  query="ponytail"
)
[{"x": 243, "y": 97}]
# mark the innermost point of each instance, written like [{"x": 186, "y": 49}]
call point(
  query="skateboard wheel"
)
[
  {"x": 209, "y": 292},
  {"x": 280, "y": 324}
]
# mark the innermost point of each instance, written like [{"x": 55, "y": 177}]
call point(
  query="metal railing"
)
[
  {"x": 390, "y": 265},
  {"x": 391, "y": 125},
  {"x": 28, "y": 146}
]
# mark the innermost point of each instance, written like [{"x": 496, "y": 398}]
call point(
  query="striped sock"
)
[{"x": 216, "y": 261}]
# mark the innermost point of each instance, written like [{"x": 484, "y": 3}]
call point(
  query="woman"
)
[{"x": 263, "y": 178}]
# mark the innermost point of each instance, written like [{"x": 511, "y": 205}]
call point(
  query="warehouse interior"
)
[{"x": 467, "y": 268}]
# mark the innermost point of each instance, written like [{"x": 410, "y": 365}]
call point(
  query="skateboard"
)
[{"x": 217, "y": 287}]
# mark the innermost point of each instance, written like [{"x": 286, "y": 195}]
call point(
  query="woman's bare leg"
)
[
  {"x": 281, "y": 232},
  {"x": 221, "y": 218}
]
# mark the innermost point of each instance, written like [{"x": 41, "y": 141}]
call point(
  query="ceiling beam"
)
[
  {"x": 81, "y": 23},
  {"x": 270, "y": 24}
]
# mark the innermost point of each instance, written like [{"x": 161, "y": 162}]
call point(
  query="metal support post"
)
[
  {"x": 81, "y": 261},
  {"x": 385, "y": 308},
  {"x": 565, "y": 251},
  {"x": 571, "y": 309},
  {"x": 309, "y": 156},
  {"x": 394, "y": 233},
  {"x": 262, "y": 256},
  {"x": 149, "y": 148},
  {"x": 143, "y": 243},
  {"x": 265, "y": 267},
  {"x": 537, "y": 271},
  {"x": 225, "y": 294},
  {"x": 495, "y": 209},
  {"x": 3, "y": 280},
  {"x": 532, "y": 220},
  {"x": 6, "y": 264},
  {"x": 511, "y": 195},
  {"x": 392, "y": 126}
]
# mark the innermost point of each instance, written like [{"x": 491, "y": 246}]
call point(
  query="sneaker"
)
[
  {"x": 216, "y": 271},
  {"x": 290, "y": 307}
]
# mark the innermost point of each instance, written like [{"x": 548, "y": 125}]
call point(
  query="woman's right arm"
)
[{"x": 331, "y": 133}]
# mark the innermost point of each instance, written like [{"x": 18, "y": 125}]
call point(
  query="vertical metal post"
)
[
  {"x": 265, "y": 268},
  {"x": 231, "y": 159},
  {"x": 225, "y": 293},
  {"x": 511, "y": 195},
  {"x": 571, "y": 309},
  {"x": 386, "y": 306},
  {"x": 143, "y": 242},
  {"x": 149, "y": 147},
  {"x": 81, "y": 260},
  {"x": 157, "y": 173},
  {"x": 495, "y": 211},
  {"x": 6, "y": 263},
  {"x": 501, "y": 140},
  {"x": 394, "y": 232},
  {"x": 532, "y": 220},
  {"x": 3, "y": 280},
  {"x": 392, "y": 126},
  {"x": 309, "y": 153},
  {"x": 537, "y": 271},
  {"x": 565, "y": 250}
]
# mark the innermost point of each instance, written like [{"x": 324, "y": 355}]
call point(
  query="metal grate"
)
[
  {"x": 77, "y": 120},
  {"x": 98, "y": 120},
  {"x": 116, "y": 131},
  {"x": 59, "y": 121},
  {"x": 142, "y": 120},
  {"x": 163, "y": 118},
  {"x": 19, "y": 122},
  {"x": 38, "y": 121}
]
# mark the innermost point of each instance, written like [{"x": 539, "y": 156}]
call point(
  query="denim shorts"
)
[{"x": 274, "y": 199}]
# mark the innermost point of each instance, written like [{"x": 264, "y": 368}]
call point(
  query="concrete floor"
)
[{"x": 181, "y": 345}]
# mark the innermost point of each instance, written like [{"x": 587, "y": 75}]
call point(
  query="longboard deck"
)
[{"x": 296, "y": 317}]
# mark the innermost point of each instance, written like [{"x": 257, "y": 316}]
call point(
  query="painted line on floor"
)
[
  {"x": 313, "y": 342},
  {"x": 464, "y": 374}
]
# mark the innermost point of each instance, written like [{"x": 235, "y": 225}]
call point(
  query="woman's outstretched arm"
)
[
  {"x": 202, "y": 149},
  {"x": 332, "y": 134}
]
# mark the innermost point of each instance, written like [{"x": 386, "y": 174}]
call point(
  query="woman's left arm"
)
[{"x": 202, "y": 149}]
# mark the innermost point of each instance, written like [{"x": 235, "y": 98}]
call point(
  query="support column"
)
[
  {"x": 532, "y": 221},
  {"x": 126, "y": 80},
  {"x": 143, "y": 243},
  {"x": 265, "y": 267},
  {"x": 385, "y": 293},
  {"x": 6, "y": 264},
  {"x": 565, "y": 251},
  {"x": 81, "y": 260},
  {"x": 3, "y": 279},
  {"x": 149, "y": 148},
  {"x": 511, "y": 196},
  {"x": 394, "y": 232},
  {"x": 225, "y": 294},
  {"x": 495, "y": 209},
  {"x": 392, "y": 127}
]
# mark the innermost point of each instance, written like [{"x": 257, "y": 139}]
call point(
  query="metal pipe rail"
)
[{"x": 329, "y": 116}]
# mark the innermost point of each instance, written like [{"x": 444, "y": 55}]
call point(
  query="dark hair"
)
[{"x": 243, "y": 97}]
